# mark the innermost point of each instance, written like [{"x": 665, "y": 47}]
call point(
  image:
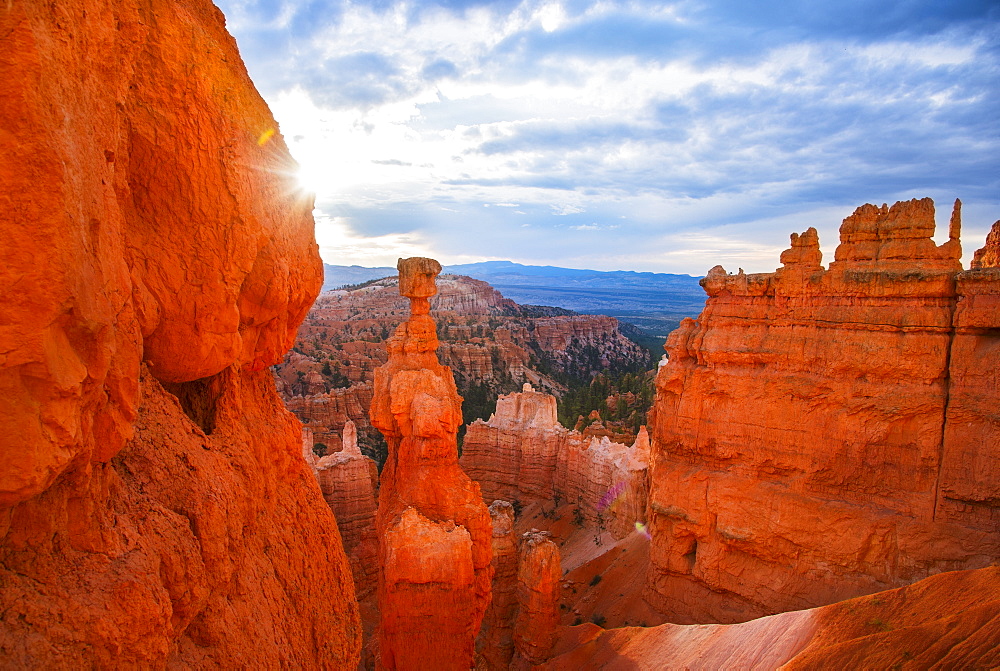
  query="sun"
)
[{"x": 309, "y": 178}]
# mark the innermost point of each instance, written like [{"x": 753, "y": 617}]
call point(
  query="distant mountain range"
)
[{"x": 654, "y": 302}]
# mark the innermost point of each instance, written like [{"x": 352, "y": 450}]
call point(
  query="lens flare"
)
[{"x": 265, "y": 137}]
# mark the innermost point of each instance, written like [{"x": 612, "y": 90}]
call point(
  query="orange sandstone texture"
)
[
  {"x": 989, "y": 255},
  {"x": 495, "y": 643},
  {"x": 154, "y": 507},
  {"x": 948, "y": 621},
  {"x": 820, "y": 434},
  {"x": 524, "y": 454},
  {"x": 537, "y": 621},
  {"x": 434, "y": 529},
  {"x": 349, "y": 482}
]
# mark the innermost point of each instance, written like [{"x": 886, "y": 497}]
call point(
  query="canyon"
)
[
  {"x": 819, "y": 485},
  {"x": 492, "y": 345}
]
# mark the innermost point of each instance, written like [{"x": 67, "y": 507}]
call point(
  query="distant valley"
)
[{"x": 653, "y": 302}]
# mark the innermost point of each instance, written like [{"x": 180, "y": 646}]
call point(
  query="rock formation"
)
[
  {"x": 820, "y": 434},
  {"x": 948, "y": 621},
  {"x": 349, "y": 482},
  {"x": 156, "y": 258},
  {"x": 491, "y": 344},
  {"x": 989, "y": 255},
  {"x": 495, "y": 643},
  {"x": 434, "y": 529},
  {"x": 524, "y": 454},
  {"x": 537, "y": 621}
]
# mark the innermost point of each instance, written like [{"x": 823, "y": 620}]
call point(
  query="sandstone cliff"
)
[
  {"x": 156, "y": 259},
  {"x": 523, "y": 454},
  {"x": 434, "y": 529},
  {"x": 819, "y": 434}
]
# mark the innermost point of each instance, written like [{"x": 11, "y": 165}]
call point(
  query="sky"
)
[{"x": 625, "y": 135}]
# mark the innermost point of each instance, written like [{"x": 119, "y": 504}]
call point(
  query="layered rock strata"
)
[
  {"x": 495, "y": 643},
  {"x": 524, "y": 454},
  {"x": 157, "y": 257},
  {"x": 537, "y": 622},
  {"x": 349, "y": 482},
  {"x": 819, "y": 434},
  {"x": 434, "y": 529}
]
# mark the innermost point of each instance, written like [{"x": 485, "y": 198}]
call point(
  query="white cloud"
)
[{"x": 672, "y": 141}]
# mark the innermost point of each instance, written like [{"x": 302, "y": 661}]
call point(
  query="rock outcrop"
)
[
  {"x": 537, "y": 622},
  {"x": 434, "y": 529},
  {"x": 989, "y": 255},
  {"x": 948, "y": 621},
  {"x": 157, "y": 257},
  {"x": 523, "y": 454},
  {"x": 820, "y": 434},
  {"x": 349, "y": 482},
  {"x": 495, "y": 643}
]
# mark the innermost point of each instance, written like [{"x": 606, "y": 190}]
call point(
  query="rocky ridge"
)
[
  {"x": 947, "y": 621},
  {"x": 820, "y": 434}
]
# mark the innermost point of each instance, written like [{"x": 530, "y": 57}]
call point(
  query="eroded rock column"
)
[
  {"x": 495, "y": 643},
  {"x": 538, "y": 574},
  {"x": 434, "y": 530}
]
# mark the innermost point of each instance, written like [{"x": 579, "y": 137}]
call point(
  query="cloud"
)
[{"x": 702, "y": 128}]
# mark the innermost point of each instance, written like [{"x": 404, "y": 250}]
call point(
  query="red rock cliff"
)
[
  {"x": 820, "y": 434},
  {"x": 156, "y": 259},
  {"x": 523, "y": 453},
  {"x": 434, "y": 529}
]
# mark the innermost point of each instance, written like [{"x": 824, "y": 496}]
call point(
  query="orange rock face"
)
[
  {"x": 989, "y": 255},
  {"x": 537, "y": 622},
  {"x": 524, "y": 454},
  {"x": 434, "y": 529},
  {"x": 820, "y": 434},
  {"x": 156, "y": 258},
  {"x": 495, "y": 643},
  {"x": 349, "y": 482},
  {"x": 947, "y": 621}
]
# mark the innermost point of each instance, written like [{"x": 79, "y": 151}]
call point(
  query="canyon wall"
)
[
  {"x": 157, "y": 258},
  {"x": 523, "y": 454},
  {"x": 435, "y": 533},
  {"x": 820, "y": 434}
]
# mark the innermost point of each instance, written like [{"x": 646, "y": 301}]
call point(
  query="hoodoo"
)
[
  {"x": 821, "y": 434},
  {"x": 349, "y": 482},
  {"x": 434, "y": 530}
]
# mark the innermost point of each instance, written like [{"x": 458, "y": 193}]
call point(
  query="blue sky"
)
[{"x": 636, "y": 135}]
